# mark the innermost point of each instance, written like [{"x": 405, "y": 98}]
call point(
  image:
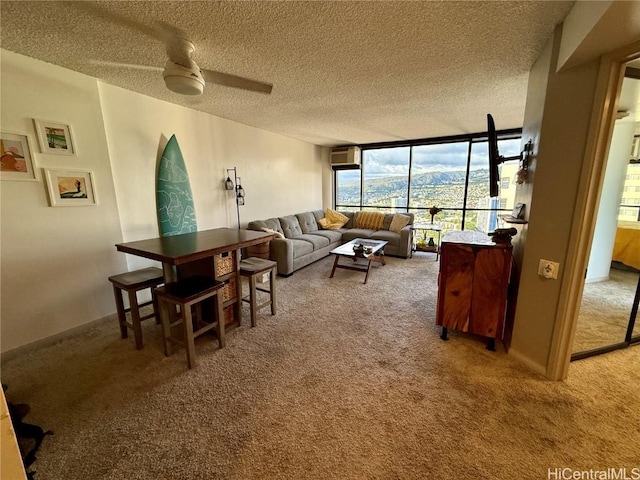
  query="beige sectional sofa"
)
[{"x": 305, "y": 241}]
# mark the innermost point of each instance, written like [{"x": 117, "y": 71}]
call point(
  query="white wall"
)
[
  {"x": 280, "y": 175},
  {"x": 594, "y": 28},
  {"x": 579, "y": 24},
  {"x": 557, "y": 118},
  {"x": 55, "y": 261},
  {"x": 607, "y": 220}
]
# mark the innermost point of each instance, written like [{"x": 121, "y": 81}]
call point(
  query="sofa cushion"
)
[
  {"x": 307, "y": 222},
  {"x": 351, "y": 233},
  {"x": 398, "y": 222},
  {"x": 391, "y": 237},
  {"x": 290, "y": 226},
  {"x": 331, "y": 235},
  {"x": 318, "y": 214},
  {"x": 301, "y": 247},
  {"x": 351, "y": 222},
  {"x": 318, "y": 241},
  {"x": 386, "y": 223},
  {"x": 270, "y": 223}
]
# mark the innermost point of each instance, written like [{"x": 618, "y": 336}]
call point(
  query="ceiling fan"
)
[{"x": 181, "y": 73}]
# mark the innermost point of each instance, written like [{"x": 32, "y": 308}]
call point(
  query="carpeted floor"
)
[
  {"x": 347, "y": 381},
  {"x": 605, "y": 310}
]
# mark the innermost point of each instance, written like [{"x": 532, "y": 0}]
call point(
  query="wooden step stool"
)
[
  {"x": 252, "y": 268},
  {"x": 133, "y": 282},
  {"x": 187, "y": 293}
]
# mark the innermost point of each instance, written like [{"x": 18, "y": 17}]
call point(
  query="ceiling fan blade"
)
[
  {"x": 234, "y": 81},
  {"x": 105, "y": 63},
  {"x": 178, "y": 48},
  {"x": 97, "y": 11}
]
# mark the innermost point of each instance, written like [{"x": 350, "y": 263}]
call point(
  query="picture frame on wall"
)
[
  {"x": 70, "y": 188},
  {"x": 16, "y": 154},
  {"x": 55, "y": 137}
]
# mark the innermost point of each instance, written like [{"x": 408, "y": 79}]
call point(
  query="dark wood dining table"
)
[{"x": 214, "y": 253}]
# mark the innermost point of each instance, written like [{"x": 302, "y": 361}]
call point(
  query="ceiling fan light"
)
[
  {"x": 185, "y": 80},
  {"x": 184, "y": 85}
]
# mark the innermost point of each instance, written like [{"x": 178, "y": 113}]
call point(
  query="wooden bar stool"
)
[
  {"x": 252, "y": 268},
  {"x": 133, "y": 282},
  {"x": 187, "y": 293}
]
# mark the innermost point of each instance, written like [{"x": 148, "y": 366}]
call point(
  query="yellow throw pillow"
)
[
  {"x": 327, "y": 225},
  {"x": 336, "y": 217},
  {"x": 370, "y": 220},
  {"x": 398, "y": 222},
  {"x": 275, "y": 232}
]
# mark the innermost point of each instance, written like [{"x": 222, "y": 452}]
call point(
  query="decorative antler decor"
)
[{"x": 434, "y": 211}]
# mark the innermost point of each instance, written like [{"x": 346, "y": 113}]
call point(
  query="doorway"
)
[{"x": 608, "y": 308}]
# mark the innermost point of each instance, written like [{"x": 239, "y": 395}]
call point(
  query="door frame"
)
[{"x": 605, "y": 103}]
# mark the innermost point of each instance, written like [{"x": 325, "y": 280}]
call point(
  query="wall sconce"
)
[
  {"x": 523, "y": 167},
  {"x": 237, "y": 186}
]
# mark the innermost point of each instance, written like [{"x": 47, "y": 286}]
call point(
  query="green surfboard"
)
[{"x": 174, "y": 200}]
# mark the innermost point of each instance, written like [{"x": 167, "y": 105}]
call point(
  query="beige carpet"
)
[
  {"x": 605, "y": 310},
  {"x": 348, "y": 381}
]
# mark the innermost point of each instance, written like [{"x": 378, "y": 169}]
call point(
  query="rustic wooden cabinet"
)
[{"x": 473, "y": 284}]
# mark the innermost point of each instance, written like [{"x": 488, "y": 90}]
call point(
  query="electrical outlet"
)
[{"x": 548, "y": 269}]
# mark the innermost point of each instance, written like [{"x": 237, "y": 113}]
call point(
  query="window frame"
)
[{"x": 509, "y": 134}]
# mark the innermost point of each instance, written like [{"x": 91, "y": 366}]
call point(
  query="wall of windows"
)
[
  {"x": 630, "y": 202},
  {"x": 451, "y": 173}
]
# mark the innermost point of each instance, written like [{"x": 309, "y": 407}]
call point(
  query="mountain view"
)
[
  {"x": 444, "y": 189},
  {"x": 438, "y": 177}
]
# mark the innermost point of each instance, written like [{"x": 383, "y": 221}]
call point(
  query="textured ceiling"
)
[{"x": 342, "y": 72}]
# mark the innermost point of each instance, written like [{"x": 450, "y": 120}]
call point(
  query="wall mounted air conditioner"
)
[{"x": 345, "y": 157}]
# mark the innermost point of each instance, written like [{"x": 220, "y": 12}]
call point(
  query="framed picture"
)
[
  {"x": 16, "y": 161},
  {"x": 70, "y": 188},
  {"x": 55, "y": 137}
]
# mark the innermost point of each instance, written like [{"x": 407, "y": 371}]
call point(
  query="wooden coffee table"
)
[{"x": 376, "y": 254}]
